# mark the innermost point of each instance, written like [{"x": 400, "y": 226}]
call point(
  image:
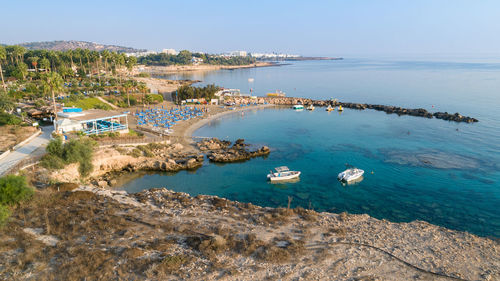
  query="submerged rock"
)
[{"x": 430, "y": 158}]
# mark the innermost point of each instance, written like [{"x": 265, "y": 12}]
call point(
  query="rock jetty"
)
[
  {"x": 418, "y": 112},
  {"x": 220, "y": 151}
]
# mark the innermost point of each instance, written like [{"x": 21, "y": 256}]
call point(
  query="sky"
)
[{"x": 316, "y": 28}]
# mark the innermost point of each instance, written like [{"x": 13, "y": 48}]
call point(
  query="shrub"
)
[
  {"x": 136, "y": 153},
  {"x": 9, "y": 119},
  {"x": 76, "y": 150},
  {"x": 14, "y": 189},
  {"x": 147, "y": 152},
  {"x": 55, "y": 147},
  {"x": 144, "y": 74},
  {"x": 154, "y": 98},
  {"x": 52, "y": 162},
  {"x": 4, "y": 214},
  {"x": 134, "y": 133},
  {"x": 85, "y": 168}
]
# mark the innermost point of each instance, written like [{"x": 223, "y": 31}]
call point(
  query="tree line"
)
[
  {"x": 190, "y": 92},
  {"x": 185, "y": 58},
  {"x": 16, "y": 61}
]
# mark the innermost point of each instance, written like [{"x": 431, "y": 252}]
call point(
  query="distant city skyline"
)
[{"x": 318, "y": 28}]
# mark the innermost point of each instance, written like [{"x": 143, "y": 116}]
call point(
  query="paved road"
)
[{"x": 15, "y": 156}]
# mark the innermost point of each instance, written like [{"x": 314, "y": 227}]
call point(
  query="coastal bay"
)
[{"x": 407, "y": 155}]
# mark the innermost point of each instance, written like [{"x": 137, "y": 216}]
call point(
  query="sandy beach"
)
[
  {"x": 215, "y": 113},
  {"x": 171, "y": 69}
]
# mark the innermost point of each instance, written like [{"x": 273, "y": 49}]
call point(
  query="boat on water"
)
[
  {"x": 298, "y": 107},
  {"x": 350, "y": 175},
  {"x": 282, "y": 174},
  {"x": 310, "y": 107},
  {"x": 340, "y": 108},
  {"x": 330, "y": 108}
]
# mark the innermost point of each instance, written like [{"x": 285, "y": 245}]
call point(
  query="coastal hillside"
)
[
  {"x": 72, "y": 45},
  {"x": 98, "y": 234}
]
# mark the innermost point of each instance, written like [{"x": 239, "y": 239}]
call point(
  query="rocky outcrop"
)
[
  {"x": 189, "y": 162},
  {"x": 222, "y": 153},
  {"x": 417, "y": 112},
  {"x": 454, "y": 117},
  {"x": 213, "y": 144}
]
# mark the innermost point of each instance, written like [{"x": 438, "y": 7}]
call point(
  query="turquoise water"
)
[{"x": 441, "y": 172}]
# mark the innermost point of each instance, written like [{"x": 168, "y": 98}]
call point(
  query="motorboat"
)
[
  {"x": 282, "y": 174},
  {"x": 330, "y": 108},
  {"x": 310, "y": 107},
  {"x": 340, "y": 108},
  {"x": 298, "y": 107},
  {"x": 351, "y": 174}
]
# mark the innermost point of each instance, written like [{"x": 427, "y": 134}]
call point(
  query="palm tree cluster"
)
[{"x": 18, "y": 62}]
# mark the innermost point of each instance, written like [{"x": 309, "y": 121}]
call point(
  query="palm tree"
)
[
  {"x": 45, "y": 64},
  {"x": 128, "y": 85},
  {"x": 52, "y": 82},
  {"x": 3, "y": 56},
  {"x": 105, "y": 55},
  {"x": 34, "y": 62}
]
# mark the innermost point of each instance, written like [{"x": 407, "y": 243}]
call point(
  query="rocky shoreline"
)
[
  {"x": 222, "y": 152},
  {"x": 417, "y": 112},
  {"x": 95, "y": 234}
]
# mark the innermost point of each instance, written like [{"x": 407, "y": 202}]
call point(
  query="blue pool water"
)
[{"x": 442, "y": 172}]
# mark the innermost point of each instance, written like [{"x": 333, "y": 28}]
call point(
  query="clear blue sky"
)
[{"x": 343, "y": 27}]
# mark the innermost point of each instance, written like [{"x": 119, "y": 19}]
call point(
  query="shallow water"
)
[{"x": 442, "y": 172}]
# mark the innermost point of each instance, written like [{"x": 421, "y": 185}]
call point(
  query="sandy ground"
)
[
  {"x": 162, "y": 86},
  {"x": 11, "y": 135}
]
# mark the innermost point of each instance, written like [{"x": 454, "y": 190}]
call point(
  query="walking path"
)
[
  {"x": 24, "y": 151},
  {"x": 108, "y": 103}
]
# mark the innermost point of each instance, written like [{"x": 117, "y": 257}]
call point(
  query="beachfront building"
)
[
  {"x": 238, "y": 54},
  {"x": 230, "y": 93},
  {"x": 196, "y": 60},
  {"x": 91, "y": 122},
  {"x": 169, "y": 52}
]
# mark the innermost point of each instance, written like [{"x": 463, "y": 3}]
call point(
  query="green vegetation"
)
[
  {"x": 133, "y": 133},
  {"x": 75, "y": 151},
  {"x": 189, "y": 92},
  {"x": 9, "y": 119},
  {"x": 16, "y": 61},
  {"x": 88, "y": 103},
  {"x": 154, "y": 99},
  {"x": 144, "y": 75},
  {"x": 41, "y": 75},
  {"x": 13, "y": 189},
  {"x": 185, "y": 57}
]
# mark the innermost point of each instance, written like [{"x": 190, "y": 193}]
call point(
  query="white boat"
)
[
  {"x": 350, "y": 175},
  {"x": 329, "y": 108},
  {"x": 310, "y": 107},
  {"x": 298, "y": 107},
  {"x": 282, "y": 173}
]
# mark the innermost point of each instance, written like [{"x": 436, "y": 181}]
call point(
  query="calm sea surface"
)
[{"x": 442, "y": 172}]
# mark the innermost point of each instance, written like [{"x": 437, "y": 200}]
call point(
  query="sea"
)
[{"x": 441, "y": 172}]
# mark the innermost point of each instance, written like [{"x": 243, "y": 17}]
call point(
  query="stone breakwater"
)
[
  {"x": 222, "y": 151},
  {"x": 419, "y": 112}
]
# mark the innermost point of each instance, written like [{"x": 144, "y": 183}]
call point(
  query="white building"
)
[
  {"x": 196, "y": 60},
  {"x": 141, "y": 54},
  {"x": 170, "y": 52},
  {"x": 230, "y": 93},
  {"x": 238, "y": 54}
]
